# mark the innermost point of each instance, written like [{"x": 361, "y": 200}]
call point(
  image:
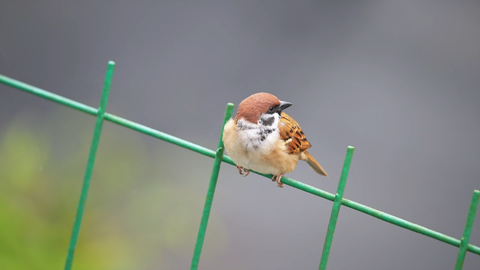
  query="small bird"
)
[{"x": 263, "y": 138}]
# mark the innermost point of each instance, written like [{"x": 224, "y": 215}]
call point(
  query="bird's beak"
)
[{"x": 284, "y": 105}]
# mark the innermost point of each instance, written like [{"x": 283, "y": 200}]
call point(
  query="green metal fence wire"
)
[
  {"x": 337, "y": 202},
  {"x": 467, "y": 230},
  {"x": 210, "y": 192},
  {"x": 91, "y": 161},
  {"x": 337, "y": 199}
]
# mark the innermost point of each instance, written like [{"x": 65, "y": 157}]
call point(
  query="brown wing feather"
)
[{"x": 292, "y": 134}]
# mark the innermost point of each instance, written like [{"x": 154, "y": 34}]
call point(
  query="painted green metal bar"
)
[
  {"x": 207, "y": 152},
  {"x": 337, "y": 202},
  {"x": 210, "y": 192},
  {"x": 407, "y": 225},
  {"x": 90, "y": 164},
  {"x": 110, "y": 117},
  {"x": 47, "y": 95},
  {"x": 164, "y": 136},
  {"x": 468, "y": 229}
]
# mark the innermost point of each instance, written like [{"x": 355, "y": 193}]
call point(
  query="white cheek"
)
[{"x": 265, "y": 117}]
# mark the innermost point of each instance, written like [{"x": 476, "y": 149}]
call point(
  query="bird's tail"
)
[{"x": 313, "y": 163}]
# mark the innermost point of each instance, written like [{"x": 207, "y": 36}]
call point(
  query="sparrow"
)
[{"x": 263, "y": 138}]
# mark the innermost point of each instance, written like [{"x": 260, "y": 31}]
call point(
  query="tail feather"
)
[{"x": 314, "y": 164}]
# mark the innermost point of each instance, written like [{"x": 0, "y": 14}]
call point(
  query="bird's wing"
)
[{"x": 292, "y": 134}]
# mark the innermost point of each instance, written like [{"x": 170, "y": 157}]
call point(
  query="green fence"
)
[{"x": 337, "y": 198}]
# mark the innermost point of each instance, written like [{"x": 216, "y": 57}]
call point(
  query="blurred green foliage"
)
[{"x": 137, "y": 215}]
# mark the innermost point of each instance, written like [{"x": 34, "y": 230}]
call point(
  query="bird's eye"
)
[{"x": 271, "y": 109}]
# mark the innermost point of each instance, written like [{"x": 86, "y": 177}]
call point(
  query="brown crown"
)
[{"x": 253, "y": 106}]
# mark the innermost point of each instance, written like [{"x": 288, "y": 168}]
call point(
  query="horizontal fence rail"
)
[{"x": 218, "y": 155}]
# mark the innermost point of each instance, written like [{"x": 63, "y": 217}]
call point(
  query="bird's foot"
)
[
  {"x": 278, "y": 179},
  {"x": 240, "y": 168}
]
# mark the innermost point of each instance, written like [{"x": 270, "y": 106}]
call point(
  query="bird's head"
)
[{"x": 261, "y": 109}]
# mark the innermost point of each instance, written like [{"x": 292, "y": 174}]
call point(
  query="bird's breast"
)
[{"x": 258, "y": 148}]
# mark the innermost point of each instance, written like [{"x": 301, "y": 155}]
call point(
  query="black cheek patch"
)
[{"x": 269, "y": 121}]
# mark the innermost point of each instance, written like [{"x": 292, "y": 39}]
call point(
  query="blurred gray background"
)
[{"x": 399, "y": 80}]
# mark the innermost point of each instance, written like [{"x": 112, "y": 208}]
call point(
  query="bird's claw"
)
[
  {"x": 244, "y": 171},
  {"x": 278, "y": 179}
]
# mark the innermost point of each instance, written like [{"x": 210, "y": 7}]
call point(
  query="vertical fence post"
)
[
  {"x": 468, "y": 229},
  {"x": 90, "y": 164},
  {"x": 210, "y": 192},
  {"x": 337, "y": 202}
]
